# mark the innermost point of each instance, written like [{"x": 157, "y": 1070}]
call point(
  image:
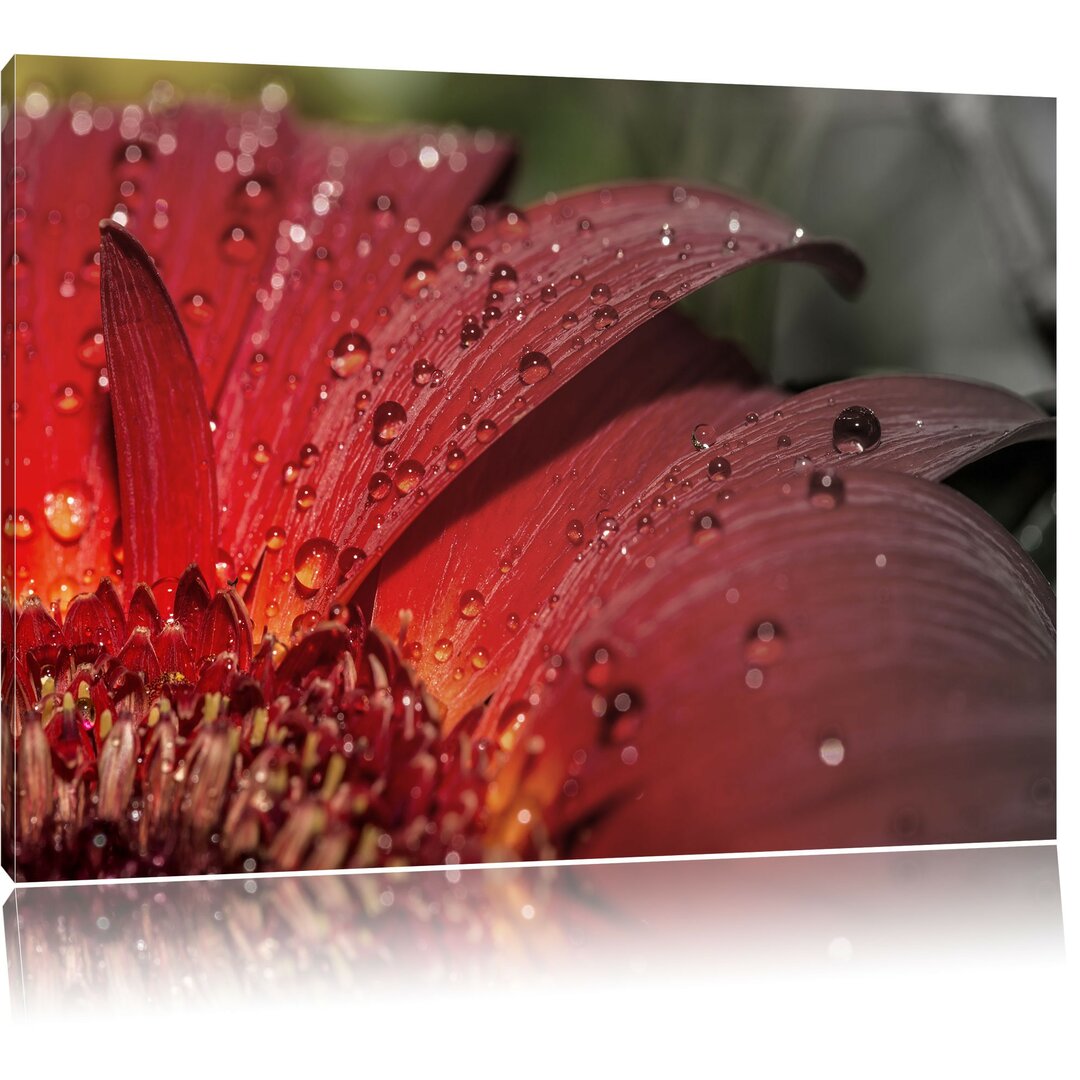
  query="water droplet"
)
[
  {"x": 349, "y": 559},
  {"x": 455, "y": 459},
  {"x": 658, "y": 299},
  {"x": 764, "y": 644},
  {"x": 605, "y": 317},
  {"x": 645, "y": 524},
  {"x": 68, "y": 509},
  {"x": 197, "y": 309},
  {"x": 379, "y": 486},
  {"x": 802, "y": 463},
  {"x": 422, "y": 373},
  {"x": 606, "y": 524},
  {"x": 350, "y": 354},
  {"x": 486, "y": 430},
  {"x": 825, "y": 490},
  {"x": 238, "y": 245},
  {"x": 782, "y": 442},
  {"x": 705, "y": 528},
  {"x": 418, "y": 277},
  {"x": 443, "y": 650},
  {"x": 315, "y": 564},
  {"x": 752, "y": 418},
  {"x": 289, "y": 472},
  {"x": 513, "y": 622},
  {"x": 275, "y": 538},
  {"x": 534, "y": 367},
  {"x": 472, "y": 603},
  {"x": 68, "y": 399},
  {"x": 479, "y": 658},
  {"x": 361, "y": 402},
  {"x": 720, "y": 468},
  {"x": 91, "y": 350},
  {"x": 622, "y": 717},
  {"x": 575, "y": 532},
  {"x": 856, "y": 430},
  {"x": 304, "y": 624},
  {"x": 388, "y": 422},
  {"x": 703, "y": 436},
  {"x": 600, "y": 294},
  {"x": 305, "y": 497},
  {"x": 831, "y": 751},
  {"x": 260, "y": 453},
  {"x": 471, "y": 333},
  {"x": 503, "y": 278},
  {"x": 667, "y": 235},
  {"x": 598, "y": 667},
  {"x": 408, "y": 476},
  {"x": 18, "y": 525},
  {"x": 549, "y": 293}
]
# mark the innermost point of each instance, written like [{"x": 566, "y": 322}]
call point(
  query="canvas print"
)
[{"x": 433, "y": 469}]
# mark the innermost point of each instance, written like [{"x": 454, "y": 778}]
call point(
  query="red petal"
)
[
  {"x": 638, "y": 244},
  {"x": 643, "y": 473},
  {"x": 879, "y": 672},
  {"x": 521, "y": 527},
  {"x": 168, "y": 489}
]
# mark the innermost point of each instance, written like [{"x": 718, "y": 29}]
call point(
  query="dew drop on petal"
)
[
  {"x": 388, "y": 422},
  {"x": 486, "y": 431},
  {"x": 350, "y": 354},
  {"x": 471, "y": 604},
  {"x": 705, "y": 528},
  {"x": 719, "y": 468},
  {"x": 534, "y": 367},
  {"x": 68, "y": 509},
  {"x": 349, "y": 559},
  {"x": 418, "y": 277},
  {"x": 443, "y": 650},
  {"x": 305, "y": 497},
  {"x": 764, "y": 644},
  {"x": 275, "y": 538},
  {"x": 703, "y": 436},
  {"x": 68, "y": 399},
  {"x": 825, "y": 489},
  {"x": 575, "y": 532},
  {"x": 658, "y": 299},
  {"x": 18, "y": 525},
  {"x": 831, "y": 751},
  {"x": 238, "y": 245},
  {"x": 408, "y": 476},
  {"x": 91, "y": 350},
  {"x": 600, "y": 294},
  {"x": 606, "y": 524},
  {"x": 315, "y": 564},
  {"x": 379, "y": 486},
  {"x": 455, "y": 459},
  {"x": 856, "y": 430},
  {"x": 605, "y": 317}
]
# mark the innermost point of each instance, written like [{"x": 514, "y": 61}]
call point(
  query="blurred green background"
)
[{"x": 950, "y": 199}]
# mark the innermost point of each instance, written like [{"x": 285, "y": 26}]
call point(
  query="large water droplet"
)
[
  {"x": 388, "y": 422},
  {"x": 658, "y": 299},
  {"x": 379, "y": 486},
  {"x": 275, "y": 538},
  {"x": 91, "y": 350},
  {"x": 472, "y": 603},
  {"x": 856, "y": 430},
  {"x": 605, "y": 317},
  {"x": 703, "y": 436},
  {"x": 305, "y": 497},
  {"x": 600, "y": 294},
  {"x": 720, "y": 468},
  {"x": 443, "y": 650},
  {"x": 68, "y": 509},
  {"x": 315, "y": 564},
  {"x": 408, "y": 476},
  {"x": 350, "y": 354},
  {"x": 418, "y": 277},
  {"x": 534, "y": 367}
]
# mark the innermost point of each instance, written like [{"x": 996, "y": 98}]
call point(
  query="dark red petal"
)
[
  {"x": 535, "y": 546},
  {"x": 191, "y": 600},
  {"x": 878, "y": 672},
  {"x": 521, "y": 529},
  {"x": 107, "y": 594},
  {"x": 138, "y": 655},
  {"x": 579, "y": 276},
  {"x": 143, "y": 611},
  {"x": 182, "y": 214},
  {"x": 88, "y": 629},
  {"x": 226, "y": 628},
  {"x": 168, "y": 489}
]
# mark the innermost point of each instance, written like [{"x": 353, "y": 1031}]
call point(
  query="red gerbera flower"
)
[{"x": 315, "y": 559}]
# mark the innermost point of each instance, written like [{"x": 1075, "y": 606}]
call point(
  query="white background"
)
[{"x": 931, "y": 1022}]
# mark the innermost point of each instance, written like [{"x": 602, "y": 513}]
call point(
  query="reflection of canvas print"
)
[{"x": 368, "y": 503}]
